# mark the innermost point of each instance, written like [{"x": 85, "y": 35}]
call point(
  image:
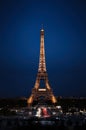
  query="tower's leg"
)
[{"x": 30, "y": 100}]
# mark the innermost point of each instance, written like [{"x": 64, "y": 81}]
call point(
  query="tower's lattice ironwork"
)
[{"x": 42, "y": 75}]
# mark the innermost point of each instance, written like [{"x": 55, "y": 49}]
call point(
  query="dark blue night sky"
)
[{"x": 64, "y": 23}]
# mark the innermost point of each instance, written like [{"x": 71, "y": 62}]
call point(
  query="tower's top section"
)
[
  {"x": 42, "y": 30},
  {"x": 42, "y": 64}
]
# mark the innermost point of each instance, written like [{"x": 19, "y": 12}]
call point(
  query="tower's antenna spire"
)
[{"x": 42, "y": 25}]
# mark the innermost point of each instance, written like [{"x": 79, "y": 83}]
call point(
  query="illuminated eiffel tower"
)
[{"x": 46, "y": 92}]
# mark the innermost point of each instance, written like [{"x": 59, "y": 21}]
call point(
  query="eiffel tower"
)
[{"x": 37, "y": 91}]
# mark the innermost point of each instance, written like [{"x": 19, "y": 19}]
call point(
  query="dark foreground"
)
[{"x": 65, "y": 122}]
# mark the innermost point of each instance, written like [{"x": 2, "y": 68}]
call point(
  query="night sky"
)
[{"x": 64, "y": 24}]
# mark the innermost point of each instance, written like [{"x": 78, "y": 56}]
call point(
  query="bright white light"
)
[
  {"x": 59, "y": 107},
  {"x": 42, "y": 89}
]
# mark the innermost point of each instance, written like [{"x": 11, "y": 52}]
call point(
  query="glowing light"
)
[
  {"x": 47, "y": 85},
  {"x": 59, "y": 107},
  {"x": 41, "y": 89},
  {"x": 45, "y": 112},
  {"x": 36, "y": 84},
  {"x": 42, "y": 29},
  {"x": 54, "y": 99},
  {"x": 30, "y": 100},
  {"x": 38, "y": 113}
]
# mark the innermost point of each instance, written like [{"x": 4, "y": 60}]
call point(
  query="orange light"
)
[
  {"x": 30, "y": 100},
  {"x": 48, "y": 87},
  {"x": 54, "y": 99}
]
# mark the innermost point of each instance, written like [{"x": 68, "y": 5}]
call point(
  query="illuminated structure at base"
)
[{"x": 44, "y": 92}]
